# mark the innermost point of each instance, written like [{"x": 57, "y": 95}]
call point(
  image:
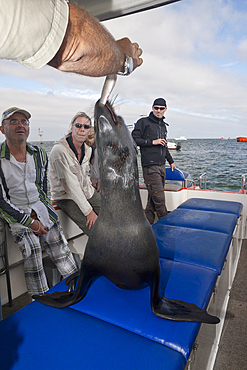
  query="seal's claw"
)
[{"x": 71, "y": 281}]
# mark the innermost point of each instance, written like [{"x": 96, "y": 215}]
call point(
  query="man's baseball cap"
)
[
  {"x": 8, "y": 113},
  {"x": 159, "y": 101}
]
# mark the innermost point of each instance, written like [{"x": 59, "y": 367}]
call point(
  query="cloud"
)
[{"x": 194, "y": 55}]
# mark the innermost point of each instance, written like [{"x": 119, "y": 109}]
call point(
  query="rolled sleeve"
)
[{"x": 32, "y": 31}]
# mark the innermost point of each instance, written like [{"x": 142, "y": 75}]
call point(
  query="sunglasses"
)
[
  {"x": 159, "y": 108},
  {"x": 80, "y": 125}
]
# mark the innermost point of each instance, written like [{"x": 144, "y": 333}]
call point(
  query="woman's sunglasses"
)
[{"x": 79, "y": 125}]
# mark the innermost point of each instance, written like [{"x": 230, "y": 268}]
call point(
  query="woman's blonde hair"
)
[{"x": 80, "y": 114}]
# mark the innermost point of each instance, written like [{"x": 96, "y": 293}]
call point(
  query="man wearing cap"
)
[
  {"x": 71, "y": 188},
  {"x": 24, "y": 203},
  {"x": 150, "y": 135}
]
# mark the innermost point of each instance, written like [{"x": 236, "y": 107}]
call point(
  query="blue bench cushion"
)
[
  {"x": 213, "y": 205},
  {"x": 42, "y": 337},
  {"x": 131, "y": 310},
  {"x": 204, "y": 220},
  {"x": 199, "y": 247}
]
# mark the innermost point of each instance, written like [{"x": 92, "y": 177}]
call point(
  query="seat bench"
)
[
  {"x": 114, "y": 328},
  {"x": 131, "y": 309},
  {"x": 43, "y": 337},
  {"x": 213, "y": 205}
]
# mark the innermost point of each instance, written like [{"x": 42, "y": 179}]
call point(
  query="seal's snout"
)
[{"x": 106, "y": 111}]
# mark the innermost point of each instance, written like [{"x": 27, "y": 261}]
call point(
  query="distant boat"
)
[
  {"x": 180, "y": 138},
  {"x": 242, "y": 138},
  {"x": 173, "y": 146}
]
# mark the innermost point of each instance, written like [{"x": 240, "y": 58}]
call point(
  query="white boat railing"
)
[
  {"x": 243, "y": 181},
  {"x": 203, "y": 177}
]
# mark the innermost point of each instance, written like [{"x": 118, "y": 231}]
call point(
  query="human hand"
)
[
  {"x": 132, "y": 50},
  {"x": 91, "y": 218},
  {"x": 159, "y": 142},
  {"x": 37, "y": 228},
  {"x": 172, "y": 165},
  {"x": 95, "y": 183}
]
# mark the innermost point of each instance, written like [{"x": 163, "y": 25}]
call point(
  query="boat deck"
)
[
  {"x": 231, "y": 354},
  {"x": 232, "y": 348}
]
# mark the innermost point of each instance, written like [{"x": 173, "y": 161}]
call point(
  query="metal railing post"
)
[{"x": 203, "y": 176}]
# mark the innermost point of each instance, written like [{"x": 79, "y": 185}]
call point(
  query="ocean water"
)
[{"x": 224, "y": 161}]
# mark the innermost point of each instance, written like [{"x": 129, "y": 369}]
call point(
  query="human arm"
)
[
  {"x": 32, "y": 31},
  {"x": 170, "y": 159},
  {"x": 138, "y": 134},
  {"x": 143, "y": 135},
  {"x": 35, "y": 33},
  {"x": 89, "y": 49},
  {"x": 13, "y": 214},
  {"x": 9, "y": 211}
]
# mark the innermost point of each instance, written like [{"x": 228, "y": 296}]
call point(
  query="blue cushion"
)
[
  {"x": 213, "y": 205},
  {"x": 199, "y": 247},
  {"x": 131, "y": 310},
  {"x": 41, "y": 337},
  {"x": 204, "y": 220}
]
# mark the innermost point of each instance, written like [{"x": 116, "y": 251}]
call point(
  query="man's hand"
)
[
  {"x": 172, "y": 165},
  {"x": 159, "y": 142},
  {"x": 91, "y": 218},
  {"x": 89, "y": 49},
  {"x": 132, "y": 50},
  {"x": 38, "y": 228}
]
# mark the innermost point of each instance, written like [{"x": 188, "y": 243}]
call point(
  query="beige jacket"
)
[
  {"x": 32, "y": 31},
  {"x": 68, "y": 179}
]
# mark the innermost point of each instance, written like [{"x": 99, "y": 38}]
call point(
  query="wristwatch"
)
[{"x": 128, "y": 66}]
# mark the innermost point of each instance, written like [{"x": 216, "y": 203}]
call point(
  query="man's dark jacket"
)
[{"x": 146, "y": 130}]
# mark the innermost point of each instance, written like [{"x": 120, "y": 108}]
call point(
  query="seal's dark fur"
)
[{"x": 122, "y": 246}]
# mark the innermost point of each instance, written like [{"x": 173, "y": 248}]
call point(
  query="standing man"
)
[
  {"x": 24, "y": 203},
  {"x": 150, "y": 135},
  {"x": 71, "y": 188}
]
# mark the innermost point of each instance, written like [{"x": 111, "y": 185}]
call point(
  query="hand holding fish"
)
[
  {"x": 132, "y": 50},
  {"x": 89, "y": 49}
]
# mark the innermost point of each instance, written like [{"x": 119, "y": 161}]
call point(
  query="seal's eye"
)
[{"x": 104, "y": 125}]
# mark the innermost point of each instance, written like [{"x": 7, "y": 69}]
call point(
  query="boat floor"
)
[{"x": 232, "y": 349}]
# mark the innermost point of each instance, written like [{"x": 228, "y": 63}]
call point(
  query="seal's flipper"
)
[
  {"x": 72, "y": 280},
  {"x": 56, "y": 299},
  {"x": 182, "y": 311},
  {"x": 65, "y": 299}
]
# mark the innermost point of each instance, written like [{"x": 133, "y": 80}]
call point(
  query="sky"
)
[{"x": 195, "y": 56}]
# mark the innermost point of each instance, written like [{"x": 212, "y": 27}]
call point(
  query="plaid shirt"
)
[{"x": 17, "y": 209}]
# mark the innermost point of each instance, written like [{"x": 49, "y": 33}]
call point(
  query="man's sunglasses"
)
[
  {"x": 79, "y": 125},
  {"x": 159, "y": 108}
]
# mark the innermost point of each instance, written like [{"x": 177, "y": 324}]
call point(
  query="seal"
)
[{"x": 122, "y": 246}]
